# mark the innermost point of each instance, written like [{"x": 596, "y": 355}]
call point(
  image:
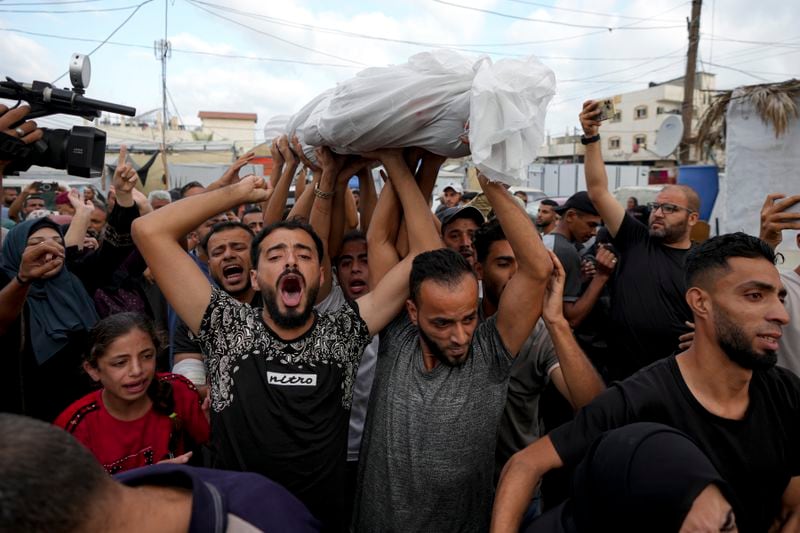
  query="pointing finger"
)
[{"x": 123, "y": 154}]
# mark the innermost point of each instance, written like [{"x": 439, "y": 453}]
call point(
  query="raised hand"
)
[
  {"x": 606, "y": 261},
  {"x": 81, "y": 207},
  {"x": 298, "y": 150},
  {"x": 255, "y": 188},
  {"x": 231, "y": 175},
  {"x": 775, "y": 217},
  {"x": 40, "y": 261},
  {"x": 588, "y": 117},
  {"x": 553, "y": 308},
  {"x": 125, "y": 178}
]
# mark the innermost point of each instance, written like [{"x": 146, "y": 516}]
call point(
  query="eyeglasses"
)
[{"x": 668, "y": 209}]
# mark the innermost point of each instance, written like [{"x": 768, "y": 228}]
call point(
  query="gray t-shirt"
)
[
  {"x": 530, "y": 374},
  {"x": 427, "y": 455},
  {"x": 571, "y": 261}
]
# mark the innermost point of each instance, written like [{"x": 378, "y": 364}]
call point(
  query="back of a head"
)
[
  {"x": 159, "y": 195},
  {"x": 48, "y": 480},
  {"x": 443, "y": 266},
  {"x": 704, "y": 262}
]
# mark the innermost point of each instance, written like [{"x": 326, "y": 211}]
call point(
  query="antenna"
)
[{"x": 668, "y": 136}]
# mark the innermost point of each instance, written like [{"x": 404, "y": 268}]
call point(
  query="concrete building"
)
[
  {"x": 627, "y": 136},
  {"x": 225, "y": 126}
]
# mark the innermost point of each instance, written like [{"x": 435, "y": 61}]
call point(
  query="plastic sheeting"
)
[
  {"x": 757, "y": 164},
  {"x": 428, "y": 101}
]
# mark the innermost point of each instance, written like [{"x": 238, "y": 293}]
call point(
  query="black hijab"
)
[{"x": 58, "y": 305}]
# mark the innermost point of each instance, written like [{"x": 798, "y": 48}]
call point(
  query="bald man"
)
[{"x": 648, "y": 308}]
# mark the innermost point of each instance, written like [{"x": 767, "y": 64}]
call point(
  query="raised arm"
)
[
  {"x": 231, "y": 175},
  {"x": 575, "y": 377},
  {"x": 775, "y": 218},
  {"x": 38, "y": 261},
  {"x": 80, "y": 221},
  {"x": 304, "y": 196},
  {"x": 368, "y": 198},
  {"x": 157, "y": 234},
  {"x": 382, "y": 234},
  {"x": 518, "y": 481},
  {"x": 386, "y": 299},
  {"x": 321, "y": 213},
  {"x": 426, "y": 178},
  {"x": 521, "y": 302},
  {"x": 277, "y": 202},
  {"x": 610, "y": 210}
]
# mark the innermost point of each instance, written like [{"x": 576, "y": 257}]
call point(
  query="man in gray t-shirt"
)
[{"x": 440, "y": 388}]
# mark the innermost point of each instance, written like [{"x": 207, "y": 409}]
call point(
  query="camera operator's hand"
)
[
  {"x": 40, "y": 261},
  {"x": 588, "y": 116},
  {"x": 28, "y": 132},
  {"x": 125, "y": 178}
]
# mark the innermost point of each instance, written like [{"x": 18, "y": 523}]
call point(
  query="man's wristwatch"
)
[{"x": 589, "y": 140}]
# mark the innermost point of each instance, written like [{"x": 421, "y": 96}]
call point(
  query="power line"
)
[
  {"x": 110, "y": 35},
  {"x": 586, "y": 12},
  {"x": 452, "y": 46},
  {"x": 274, "y": 36},
  {"x": 49, "y": 3},
  {"x": 64, "y": 12},
  {"x": 556, "y": 22},
  {"x": 195, "y": 52}
]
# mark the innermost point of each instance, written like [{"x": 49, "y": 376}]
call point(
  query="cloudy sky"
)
[{"x": 271, "y": 57}]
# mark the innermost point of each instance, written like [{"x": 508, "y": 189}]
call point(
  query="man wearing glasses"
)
[{"x": 648, "y": 308}]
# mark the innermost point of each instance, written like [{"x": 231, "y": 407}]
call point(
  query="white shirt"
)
[{"x": 789, "y": 345}]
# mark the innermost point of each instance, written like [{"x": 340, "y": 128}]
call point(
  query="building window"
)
[
  {"x": 617, "y": 117},
  {"x": 640, "y": 112},
  {"x": 640, "y": 140},
  {"x": 613, "y": 143}
]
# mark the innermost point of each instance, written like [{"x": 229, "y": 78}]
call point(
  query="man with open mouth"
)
[
  {"x": 228, "y": 247},
  {"x": 282, "y": 377}
]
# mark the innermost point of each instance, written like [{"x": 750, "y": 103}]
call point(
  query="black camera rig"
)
[{"x": 81, "y": 150}]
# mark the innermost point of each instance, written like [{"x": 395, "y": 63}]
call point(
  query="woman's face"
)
[
  {"x": 127, "y": 367},
  {"x": 47, "y": 234}
]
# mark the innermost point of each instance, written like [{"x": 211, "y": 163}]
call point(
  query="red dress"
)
[{"x": 121, "y": 445}]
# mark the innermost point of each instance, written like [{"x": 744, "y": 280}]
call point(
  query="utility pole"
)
[
  {"x": 688, "y": 81},
  {"x": 163, "y": 51}
]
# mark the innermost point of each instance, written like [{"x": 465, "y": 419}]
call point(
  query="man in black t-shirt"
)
[
  {"x": 281, "y": 378},
  {"x": 648, "y": 311},
  {"x": 578, "y": 223},
  {"x": 724, "y": 392}
]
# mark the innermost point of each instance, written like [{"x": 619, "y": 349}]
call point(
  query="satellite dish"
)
[{"x": 668, "y": 136}]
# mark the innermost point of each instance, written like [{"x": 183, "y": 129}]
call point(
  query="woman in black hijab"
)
[
  {"x": 44, "y": 324},
  {"x": 641, "y": 477}
]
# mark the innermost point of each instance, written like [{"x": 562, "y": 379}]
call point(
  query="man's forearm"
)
[
  {"x": 415, "y": 208},
  {"x": 514, "y": 493},
  {"x": 530, "y": 253},
  {"x": 179, "y": 218},
  {"x": 580, "y": 377},
  {"x": 16, "y": 206},
  {"x": 595, "y": 170},
  {"x": 579, "y": 310},
  {"x": 77, "y": 229}
]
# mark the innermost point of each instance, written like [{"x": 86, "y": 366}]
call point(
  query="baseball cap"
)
[
  {"x": 455, "y": 186},
  {"x": 446, "y": 216},
  {"x": 580, "y": 202}
]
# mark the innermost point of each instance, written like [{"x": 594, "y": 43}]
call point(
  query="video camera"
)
[{"x": 81, "y": 150}]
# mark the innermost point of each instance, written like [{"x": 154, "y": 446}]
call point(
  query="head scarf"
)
[{"x": 58, "y": 305}]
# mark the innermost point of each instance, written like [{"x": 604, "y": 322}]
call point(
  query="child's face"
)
[{"x": 127, "y": 367}]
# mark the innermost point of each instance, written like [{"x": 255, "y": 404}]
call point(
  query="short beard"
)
[
  {"x": 733, "y": 342},
  {"x": 670, "y": 234},
  {"x": 291, "y": 319},
  {"x": 437, "y": 352}
]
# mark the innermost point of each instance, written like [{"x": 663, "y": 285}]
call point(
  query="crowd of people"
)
[{"x": 221, "y": 358}]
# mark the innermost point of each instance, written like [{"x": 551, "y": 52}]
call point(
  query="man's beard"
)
[
  {"x": 670, "y": 234},
  {"x": 291, "y": 318},
  {"x": 731, "y": 338},
  {"x": 438, "y": 352}
]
